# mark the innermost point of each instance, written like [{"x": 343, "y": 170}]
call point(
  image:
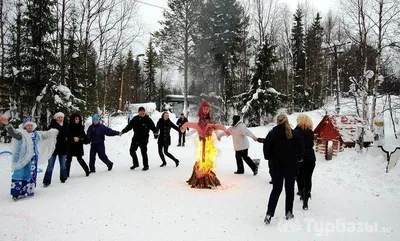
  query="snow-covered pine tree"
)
[
  {"x": 301, "y": 93},
  {"x": 176, "y": 36},
  {"x": 16, "y": 59},
  {"x": 73, "y": 63},
  {"x": 54, "y": 98},
  {"x": 218, "y": 45},
  {"x": 150, "y": 68},
  {"x": 40, "y": 23},
  {"x": 262, "y": 101},
  {"x": 315, "y": 63}
]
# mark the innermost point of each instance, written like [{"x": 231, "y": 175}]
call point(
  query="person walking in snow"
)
[
  {"x": 164, "y": 125},
  {"x": 26, "y": 155},
  {"x": 180, "y": 122},
  {"x": 77, "y": 137},
  {"x": 284, "y": 149},
  {"x": 306, "y": 167},
  {"x": 141, "y": 125},
  {"x": 241, "y": 144},
  {"x": 96, "y": 134},
  {"x": 130, "y": 115},
  {"x": 60, "y": 150}
]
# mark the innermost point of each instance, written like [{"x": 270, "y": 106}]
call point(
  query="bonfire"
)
[{"x": 203, "y": 175}]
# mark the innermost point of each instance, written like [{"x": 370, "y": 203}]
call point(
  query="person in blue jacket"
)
[{"x": 96, "y": 134}]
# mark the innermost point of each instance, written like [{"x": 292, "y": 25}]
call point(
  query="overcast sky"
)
[{"x": 151, "y": 15}]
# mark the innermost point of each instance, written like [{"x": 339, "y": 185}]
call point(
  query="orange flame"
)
[{"x": 206, "y": 156}]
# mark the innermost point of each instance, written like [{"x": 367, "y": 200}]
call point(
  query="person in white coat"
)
[{"x": 239, "y": 133}]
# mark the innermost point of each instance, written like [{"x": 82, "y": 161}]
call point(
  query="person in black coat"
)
[
  {"x": 306, "y": 167},
  {"x": 164, "y": 125},
  {"x": 180, "y": 122},
  {"x": 77, "y": 137},
  {"x": 283, "y": 149},
  {"x": 141, "y": 125},
  {"x": 60, "y": 150}
]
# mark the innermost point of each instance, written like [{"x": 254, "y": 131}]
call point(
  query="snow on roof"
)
[{"x": 346, "y": 125}]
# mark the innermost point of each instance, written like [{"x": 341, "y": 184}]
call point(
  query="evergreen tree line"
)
[
  {"x": 72, "y": 56},
  {"x": 247, "y": 58}
]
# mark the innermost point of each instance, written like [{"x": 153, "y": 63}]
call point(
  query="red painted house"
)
[{"x": 338, "y": 132}]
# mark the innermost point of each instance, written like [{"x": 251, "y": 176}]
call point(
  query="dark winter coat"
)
[
  {"x": 97, "y": 133},
  {"x": 164, "y": 126},
  {"x": 141, "y": 127},
  {"x": 307, "y": 137},
  {"x": 283, "y": 154},
  {"x": 76, "y": 130},
  {"x": 181, "y": 121},
  {"x": 61, "y": 144}
]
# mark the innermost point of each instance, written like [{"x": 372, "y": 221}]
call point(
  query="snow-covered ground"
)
[{"x": 352, "y": 199}]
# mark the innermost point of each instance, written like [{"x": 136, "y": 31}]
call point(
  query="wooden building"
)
[{"x": 335, "y": 132}]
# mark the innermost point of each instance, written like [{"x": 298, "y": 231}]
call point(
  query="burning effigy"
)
[{"x": 203, "y": 175}]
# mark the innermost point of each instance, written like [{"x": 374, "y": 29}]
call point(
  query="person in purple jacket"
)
[{"x": 96, "y": 135}]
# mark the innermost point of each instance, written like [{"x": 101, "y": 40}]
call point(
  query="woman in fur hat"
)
[{"x": 60, "y": 150}]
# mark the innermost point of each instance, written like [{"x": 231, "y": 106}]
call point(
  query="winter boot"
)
[
  {"x": 179, "y": 144},
  {"x": 305, "y": 200},
  {"x": 163, "y": 164},
  {"x": 134, "y": 166},
  {"x": 302, "y": 194},
  {"x": 183, "y": 144},
  {"x": 267, "y": 219},
  {"x": 176, "y": 162},
  {"x": 289, "y": 215},
  {"x": 145, "y": 169},
  {"x": 110, "y": 166},
  {"x": 255, "y": 172}
]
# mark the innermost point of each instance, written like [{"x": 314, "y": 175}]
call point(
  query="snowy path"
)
[{"x": 159, "y": 205}]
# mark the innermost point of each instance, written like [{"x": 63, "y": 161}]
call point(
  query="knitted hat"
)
[
  {"x": 95, "y": 118},
  {"x": 235, "y": 119},
  {"x": 141, "y": 108},
  {"x": 58, "y": 114}
]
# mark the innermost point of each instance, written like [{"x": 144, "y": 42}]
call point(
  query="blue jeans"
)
[{"x": 50, "y": 167}]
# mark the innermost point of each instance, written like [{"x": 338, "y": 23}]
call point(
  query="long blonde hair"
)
[
  {"x": 282, "y": 119},
  {"x": 304, "y": 122}
]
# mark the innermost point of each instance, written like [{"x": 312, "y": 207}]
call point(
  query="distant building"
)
[
  {"x": 335, "y": 132},
  {"x": 177, "y": 102}
]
